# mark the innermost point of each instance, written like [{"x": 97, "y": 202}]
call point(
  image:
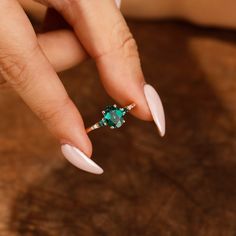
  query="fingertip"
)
[
  {"x": 80, "y": 160},
  {"x": 141, "y": 110},
  {"x": 156, "y": 108},
  {"x": 87, "y": 145},
  {"x": 82, "y": 142},
  {"x": 118, "y": 3},
  {"x": 65, "y": 122}
]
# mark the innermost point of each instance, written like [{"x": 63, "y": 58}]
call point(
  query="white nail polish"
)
[
  {"x": 80, "y": 160},
  {"x": 156, "y": 108},
  {"x": 118, "y": 3}
]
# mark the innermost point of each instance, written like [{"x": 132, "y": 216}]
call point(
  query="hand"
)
[{"x": 28, "y": 63}]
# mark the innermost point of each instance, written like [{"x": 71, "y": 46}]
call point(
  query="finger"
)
[
  {"x": 62, "y": 49},
  {"x": 59, "y": 43},
  {"x": 25, "y": 67},
  {"x": 104, "y": 34}
]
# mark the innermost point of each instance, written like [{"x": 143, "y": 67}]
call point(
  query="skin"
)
[
  {"x": 99, "y": 31},
  {"x": 29, "y": 62}
]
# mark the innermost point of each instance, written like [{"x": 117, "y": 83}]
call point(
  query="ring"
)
[{"x": 113, "y": 117}]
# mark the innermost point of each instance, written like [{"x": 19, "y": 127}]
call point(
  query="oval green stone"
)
[{"x": 114, "y": 116}]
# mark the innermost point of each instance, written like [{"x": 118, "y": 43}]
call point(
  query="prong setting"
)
[{"x": 113, "y": 117}]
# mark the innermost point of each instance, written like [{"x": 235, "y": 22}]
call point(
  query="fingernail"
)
[
  {"x": 80, "y": 160},
  {"x": 118, "y": 3},
  {"x": 156, "y": 108}
]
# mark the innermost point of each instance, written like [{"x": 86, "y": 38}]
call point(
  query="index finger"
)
[{"x": 24, "y": 66}]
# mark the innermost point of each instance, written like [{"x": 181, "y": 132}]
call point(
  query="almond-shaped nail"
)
[
  {"x": 156, "y": 107},
  {"x": 80, "y": 160},
  {"x": 118, "y": 3}
]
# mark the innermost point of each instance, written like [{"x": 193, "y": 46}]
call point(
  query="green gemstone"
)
[{"x": 114, "y": 116}]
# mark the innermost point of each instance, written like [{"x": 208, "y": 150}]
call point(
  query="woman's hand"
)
[{"x": 29, "y": 64}]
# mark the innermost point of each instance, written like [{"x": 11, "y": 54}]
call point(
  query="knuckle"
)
[
  {"x": 53, "y": 111},
  {"x": 130, "y": 48},
  {"x": 13, "y": 71},
  {"x": 14, "y": 67},
  {"x": 123, "y": 39}
]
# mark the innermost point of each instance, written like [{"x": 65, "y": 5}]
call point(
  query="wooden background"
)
[{"x": 182, "y": 185}]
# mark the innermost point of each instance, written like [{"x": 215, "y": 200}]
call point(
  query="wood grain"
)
[{"x": 182, "y": 185}]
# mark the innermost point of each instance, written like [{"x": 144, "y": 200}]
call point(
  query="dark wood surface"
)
[{"x": 182, "y": 185}]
